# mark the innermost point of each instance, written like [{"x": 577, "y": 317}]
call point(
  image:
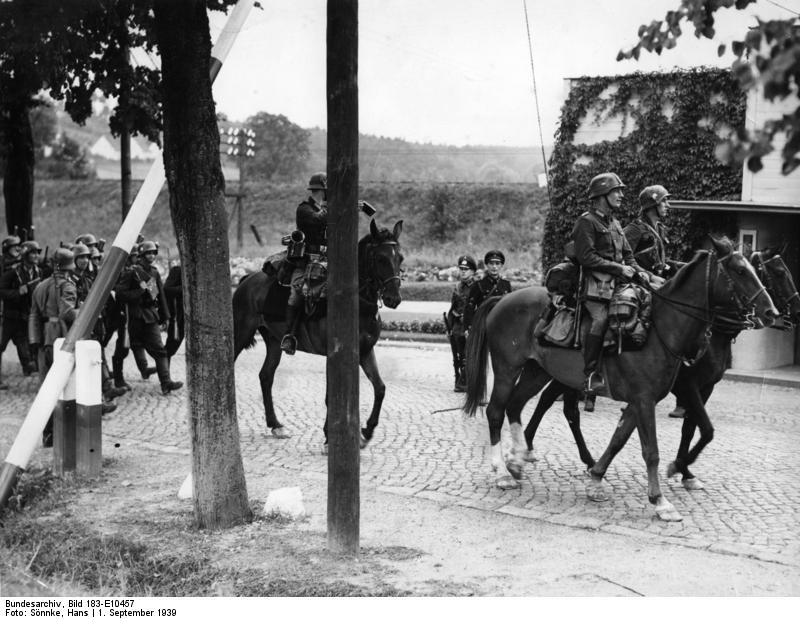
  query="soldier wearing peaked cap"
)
[
  {"x": 454, "y": 319},
  {"x": 492, "y": 284}
]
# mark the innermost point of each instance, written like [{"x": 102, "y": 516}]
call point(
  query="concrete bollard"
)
[
  {"x": 89, "y": 408},
  {"x": 64, "y": 422}
]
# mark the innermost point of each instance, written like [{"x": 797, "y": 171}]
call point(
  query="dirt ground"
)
[{"x": 409, "y": 546}]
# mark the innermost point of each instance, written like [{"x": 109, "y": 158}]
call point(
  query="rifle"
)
[
  {"x": 447, "y": 326},
  {"x": 578, "y": 309}
]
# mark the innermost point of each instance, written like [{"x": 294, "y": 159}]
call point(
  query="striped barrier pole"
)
[
  {"x": 28, "y": 436},
  {"x": 89, "y": 408},
  {"x": 64, "y": 422}
]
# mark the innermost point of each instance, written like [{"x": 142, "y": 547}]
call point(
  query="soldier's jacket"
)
[
  {"x": 600, "y": 244},
  {"x": 458, "y": 304},
  {"x": 648, "y": 244},
  {"x": 312, "y": 220},
  {"x": 148, "y": 305},
  {"x": 16, "y": 305},
  {"x": 53, "y": 309},
  {"x": 481, "y": 290}
]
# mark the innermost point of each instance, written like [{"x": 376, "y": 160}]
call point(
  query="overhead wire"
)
[{"x": 536, "y": 101}]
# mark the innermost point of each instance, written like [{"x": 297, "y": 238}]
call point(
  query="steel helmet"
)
[
  {"x": 63, "y": 259},
  {"x": 29, "y": 246},
  {"x": 468, "y": 262},
  {"x": 79, "y": 249},
  {"x": 494, "y": 254},
  {"x": 87, "y": 239},
  {"x": 652, "y": 196},
  {"x": 318, "y": 181},
  {"x": 96, "y": 253},
  {"x": 148, "y": 246},
  {"x": 9, "y": 242},
  {"x": 603, "y": 184}
]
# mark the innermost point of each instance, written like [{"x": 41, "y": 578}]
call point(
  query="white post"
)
[
  {"x": 89, "y": 405},
  {"x": 64, "y": 422}
]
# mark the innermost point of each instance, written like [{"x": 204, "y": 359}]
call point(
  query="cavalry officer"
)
[
  {"x": 312, "y": 220},
  {"x": 16, "y": 292},
  {"x": 142, "y": 290},
  {"x": 492, "y": 284},
  {"x": 647, "y": 235},
  {"x": 455, "y": 319},
  {"x": 53, "y": 309},
  {"x": 603, "y": 251}
]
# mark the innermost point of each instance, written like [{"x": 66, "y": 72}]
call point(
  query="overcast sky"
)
[{"x": 454, "y": 71}]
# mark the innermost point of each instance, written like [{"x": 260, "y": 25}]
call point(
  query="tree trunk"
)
[
  {"x": 18, "y": 179},
  {"x": 197, "y": 204}
]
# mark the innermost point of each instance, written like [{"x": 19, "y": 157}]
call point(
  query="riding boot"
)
[
  {"x": 592, "y": 349},
  {"x": 289, "y": 341},
  {"x": 141, "y": 363},
  {"x": 119, "y": 379},
  {"x": 461, "y": 376}
]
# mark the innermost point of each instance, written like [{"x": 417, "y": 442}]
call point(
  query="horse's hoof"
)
[
  {"x": 363, "y": 442},
  {"x": 507, "y": 483},
  {"x": 692, "y": 483},
  {"x": 595, "y": 491},
  {"x": 324, "y": 450},
  {"x": 281, "y": 432},
  {"x": 529, "y": 457},
  {"x": 666, "y": 511},
  {"x": 515, "y": 469},
  {"x": 672, "y": 469}
]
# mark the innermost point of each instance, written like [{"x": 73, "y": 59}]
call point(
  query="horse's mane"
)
[{"x": 686, "y": 271}]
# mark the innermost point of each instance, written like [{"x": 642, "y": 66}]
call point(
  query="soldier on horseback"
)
[
  {"x": 604, "y": 253},
  {"x": 647, "y": 235},
  {"x": 312, "y": 223},
  {"x": 492, "y": 284}
]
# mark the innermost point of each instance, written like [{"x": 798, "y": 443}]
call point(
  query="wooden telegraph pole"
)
[{"x": 343, "y": 421}]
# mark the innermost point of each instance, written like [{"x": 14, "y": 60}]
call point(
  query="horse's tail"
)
[{"x": 477, "y": 355}]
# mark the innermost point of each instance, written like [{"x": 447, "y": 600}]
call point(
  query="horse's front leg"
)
[
  {"x": 572, "y": 413},
  {"x": 689, "y": 481},
  {"x": 530, "y": 382},
  {"x": 648, "y": 438},
  {"x": 266, "y": 377},
  {"x": 595, "y": 490},
  {"x": 370, "y": 366}
]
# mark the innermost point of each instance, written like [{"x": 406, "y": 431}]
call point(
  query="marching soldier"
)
[
  {"x": 142, "y": 290},
  {"x": 454, "y": 320},
  {"x": 492, "y": 284},
  {"x": 10, "y": 257},
  {"x": 117, "y": 322},
  {"x": 53, "y": 310},
  {"x": 16, "y": 292},
  {"x": 647, "y": 235},
  {"x": 312, "y": 221},
  {"x": 603, "y": 251}
]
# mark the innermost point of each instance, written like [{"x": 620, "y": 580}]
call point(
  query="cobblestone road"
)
[{"x": 748, "y": 506}]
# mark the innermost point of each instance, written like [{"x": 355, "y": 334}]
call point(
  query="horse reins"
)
[{"x": 764, "y": 275}]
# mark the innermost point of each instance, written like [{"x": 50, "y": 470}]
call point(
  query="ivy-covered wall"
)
[{"x": 673, "y": 125}]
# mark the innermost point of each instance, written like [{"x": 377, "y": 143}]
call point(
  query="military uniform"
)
[
  {"x": 16, "y": 292},
  {"x": 487, "y": 286},
  {"x": 143, "y": 292},
  {"x": 53, "y": 310},
  {"x": 8, "y": 261},
  {"x": 455, "y": 321},
  {"x": 173, "y": 289}
]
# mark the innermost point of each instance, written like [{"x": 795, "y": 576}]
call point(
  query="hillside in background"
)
[
  {"x": 441, "y": 220},
  {"x": 381, "y": 158}
]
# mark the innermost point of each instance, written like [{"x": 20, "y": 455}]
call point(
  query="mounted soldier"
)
[
  {"x": 307, "y": 253},
  {"x": 492, "y": 284},
  {"x": 605, "y": 255},
  {"x": 647, "y": 235},
  {"x": 454, "y": 319},
  {"x": 53, "y": 309}
]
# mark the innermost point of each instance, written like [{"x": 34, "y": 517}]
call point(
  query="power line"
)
[{"x": 780, "y": 6}]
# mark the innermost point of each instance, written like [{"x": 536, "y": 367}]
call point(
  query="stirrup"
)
[
  {"x": 594, "y": 382},
  {"x": 289, "y": 344}
]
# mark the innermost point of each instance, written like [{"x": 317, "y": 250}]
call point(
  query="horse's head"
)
[
  {"x": 380, "y": 260},
  {"x": 740, "y": 285},
  {"x": 777, "y": 278}
]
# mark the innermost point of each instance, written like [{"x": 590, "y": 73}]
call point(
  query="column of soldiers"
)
[
  {"x": 470, "y": 292},
  {"x": 40, "y": 303}
]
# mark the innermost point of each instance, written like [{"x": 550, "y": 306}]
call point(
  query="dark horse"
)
[
  {"x": 694, "y": 384},
  {"x": 682, "y": 314},
  {"x": 259, "y": 304}
]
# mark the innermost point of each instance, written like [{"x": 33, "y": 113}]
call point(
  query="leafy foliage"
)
[
  {"x": 768, "y": 55},
  {"x": 673, "y": 121},
  {"x": 281, "y": 149}
]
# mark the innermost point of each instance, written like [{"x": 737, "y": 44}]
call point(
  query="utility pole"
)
[
  {"x": 241, "y": 144},
  {"x": 342, "y": 366}
]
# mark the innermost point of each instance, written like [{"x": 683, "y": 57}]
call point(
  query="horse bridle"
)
[
  {"x": 371, "y": 267},
  {"x": 760, "y": 265}
]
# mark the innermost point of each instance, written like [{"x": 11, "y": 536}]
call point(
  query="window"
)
[{"x": 748, "y": 241}]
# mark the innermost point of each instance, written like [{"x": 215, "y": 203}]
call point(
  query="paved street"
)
[{"x": 747, "y": 508}]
